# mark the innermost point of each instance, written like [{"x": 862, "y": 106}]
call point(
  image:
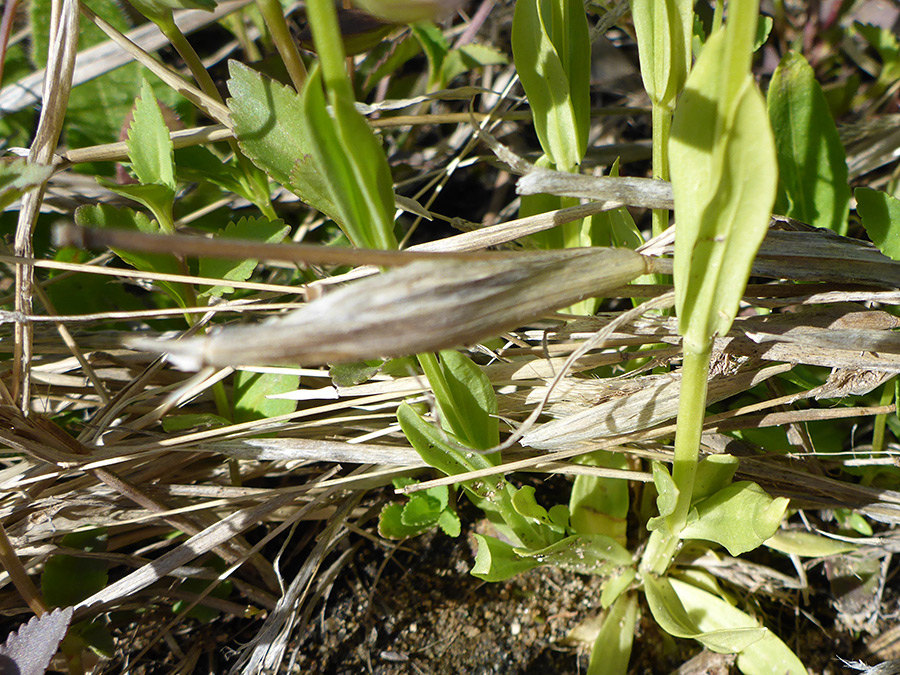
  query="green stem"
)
[
  {"x": 273, "y": 15},
  {"x": 887, "y": 395},
  {"x": 326, "y": 34},
  {"x": 689, "y": 427},
  {"x": 661, "y": 118}
]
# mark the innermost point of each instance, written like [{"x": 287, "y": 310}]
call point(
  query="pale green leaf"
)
[
  {"x": 252, "y": 391},
  {"x": 551, "y": 48},
  {"x": 612, "y": 648},
  {"x": 724, "y": 187},
  {"x": 472, "y": 398},
  {"x": 807, "y": 544},
  {"x": 582, "y": 553},
  {"x": 599, "y": 505},
  {"x": 740, "y": 517},
  {"x": 664, "y": 30},
  {"x": 272, "y": 131},
  {"x": 683, "y": 620},
  {"x": 495, "y": 560},
  {"x": 811, "y": 160},
  {"x": 17, "y": 177},
  {"x": 766, "y": 656},
  {"x": 713, "y": 474}
]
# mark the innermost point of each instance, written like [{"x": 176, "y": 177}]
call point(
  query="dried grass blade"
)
[{"x": 425, "y": 306}]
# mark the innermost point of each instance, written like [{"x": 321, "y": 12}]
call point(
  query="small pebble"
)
[{"x": 515, "y": 628}]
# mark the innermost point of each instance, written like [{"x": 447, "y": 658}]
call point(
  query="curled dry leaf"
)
[{"x": 424, "y": 306}]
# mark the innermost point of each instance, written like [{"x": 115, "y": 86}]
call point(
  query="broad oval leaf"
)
[
  {"x": 612, "y": 649},
  {"x": 582, "y": 553},
  {"x": 664, "y": 30}
]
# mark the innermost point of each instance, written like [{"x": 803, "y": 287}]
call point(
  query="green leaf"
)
[
  {"x": 436, "y": 48},
  {"x": 273, "y": 132},
  {"x": 666, "y": 494},
  {"x": 67, "y": 580},
  {"x": 880, "y": 215},
  {"x": 616, "y": 584},
  {"x": 551, "y": 48},
  {"x": 495, "y": 560},
  {"x": 713, "y": 474},
  {"x": 153, "y": 9},
  {"x": 725, "y": 184},
  {"x": 807, "y": 544},
  {"x": 526, "y": 505},
  {"x": 256, "y": 229},
  {"x": 472, "y": 400},
  {"x": 811, "y": 159},
  {"x": 252, "y": 389},
  {"x": 763, "y": 28},
  {"x": 885, "y": 43},
  {"x": 391, "y": 526},
  {"x": 600, "y": 505},
  {"x": 582, "y": 553},
  {"x": 437, "y": 447},
  {"x": 158, "y": 199},
  {"x": 349, "y": 374},
  {"x": 612, "y": 648},
  {"x": 126, "y": 219},
  {"x": 664, "y": 31},
  {"x": 467, "y": 58},
  {"x": 353, "y": 165},
  {"x": 149, "y": 146},
  {"x": 674, "y": 618},
  {"x": 740, "y": 517},
  {"x": 201, "y": 612},
  {"x": 449, "y": 523},
  {"x": 421, "y": 510},
  {"x": 765, "y": 656},
  {"x": 17, "y": 177}
]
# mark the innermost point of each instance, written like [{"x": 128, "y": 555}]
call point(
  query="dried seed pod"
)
[{"x": 424, "y": 306}]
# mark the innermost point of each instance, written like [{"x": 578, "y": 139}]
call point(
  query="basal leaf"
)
[
  {"x": 126, "y": 219},
  {"x": 612, "y": 648},
  {"x": 29, "y": 649},
  {"x": 149, "y": 146},
  {"x": 807, "y": 544},
  {"x": 525, "y": 504},
  {"x": 67, "y": 580},
  {"x": 740, "y": 517},
  {"x": 251, "y": 392},
  {"x": 436, "y": 48},
  {"x": 684, "y": 621},
  {"x": 599, "y": 505},
  {"x": 257, "y": 229},
  {"x": 496, "y": 560},
  {"x": 724, "y": 188},
  {"x": 880, "y": 215},
  {"x": 271, "y": 130},
  {"x": 811, "y": 159},
  {"x": 551, "y": 48},
  {"x": 391, "y": 526},
  {"x": 582, "y": 553},
  {"x": 436, "y": 447},
  {"x": 765, "y": 656},
  {"x": 17, "y": 177},
  {"x": 421, "y": 510}
]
